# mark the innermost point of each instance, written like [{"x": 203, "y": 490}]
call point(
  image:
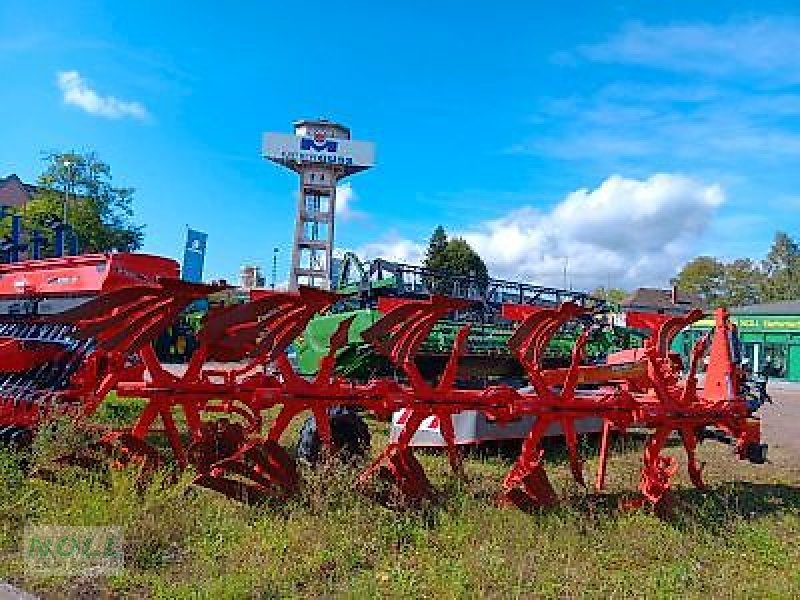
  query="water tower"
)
[{"x": 322, "y": 154}]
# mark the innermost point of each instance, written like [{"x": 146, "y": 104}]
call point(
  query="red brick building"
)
[{"x": 14, "y": 192}]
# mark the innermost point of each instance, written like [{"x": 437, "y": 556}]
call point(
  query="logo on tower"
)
[{"x": 319, "y": 143}]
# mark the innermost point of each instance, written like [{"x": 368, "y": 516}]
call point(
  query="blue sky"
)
[{"x": 617, "y": 138}]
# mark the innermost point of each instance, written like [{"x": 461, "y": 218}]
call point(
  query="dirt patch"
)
[{"x": 781, "y": 421}]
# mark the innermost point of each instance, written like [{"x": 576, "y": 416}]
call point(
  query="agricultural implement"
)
[
  {"x": 44, "y": 367},
  {"x": 226, "y": 413},
  {"x": 370, "y": 289}
]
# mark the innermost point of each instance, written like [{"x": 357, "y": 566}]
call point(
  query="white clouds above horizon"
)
[
  {"x": 695, "y": 103},
  {"x": 393, "y": 248},
  {"x": 626, "y": 232},
  {"x": 668, "y": 124},
  {"x": 699, "y": 97},
  {"x": 766, "y": 46},
  {"x": 77, "y": 92}
]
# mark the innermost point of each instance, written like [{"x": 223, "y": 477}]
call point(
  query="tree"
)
[
  {"x": 454, "y": 257},
  {"x": 782, "y": 255},
  {"x": 100, "y": 214},
  {"x": 743, "y": 283},
  {"x": 612, "y": 295},
  {"x": 782, "y": 270},
  {"x": 461, "y": 259},
  {"x": 437, "y": 247},
  {"x": 723, "y": 284},
  {"x": 703, "y": 276}
]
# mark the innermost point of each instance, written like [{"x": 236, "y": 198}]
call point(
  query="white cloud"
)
[
  {"x": 77, "y": 92},
  {"x": 680, "y": 127},
  {"x": 733, "y": 99},
  {"x": 766, "y": 46},
  {"x": 626, "y": 232},
  {"x": 395, "y": 249},
  {"x": 345, "y": 198}
]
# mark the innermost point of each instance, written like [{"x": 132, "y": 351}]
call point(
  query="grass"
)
[{"x": 739, "y": 539}]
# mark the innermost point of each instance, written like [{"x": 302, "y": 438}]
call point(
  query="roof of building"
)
[
  {"x": 14, "y": 191},
  {"x": 654, "y": 298},
  {"x": 787, "y": 307}
]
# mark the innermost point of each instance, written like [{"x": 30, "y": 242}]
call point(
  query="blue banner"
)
[{"x": 194, "y": 256}]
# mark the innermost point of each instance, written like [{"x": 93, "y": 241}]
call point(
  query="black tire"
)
[
  {"x": 756, "y": 453},
  {"x": 351, "y": 437},
  {"x": 16, "y": 437}
]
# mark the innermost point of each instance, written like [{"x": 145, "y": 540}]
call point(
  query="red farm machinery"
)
[{"x": 74, "y": 329}]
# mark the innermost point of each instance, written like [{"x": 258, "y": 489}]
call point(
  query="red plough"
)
[{"x": 226, "y": 412}]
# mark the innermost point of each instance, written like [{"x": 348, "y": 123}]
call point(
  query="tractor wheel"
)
[{"x": 351, "y": 438}]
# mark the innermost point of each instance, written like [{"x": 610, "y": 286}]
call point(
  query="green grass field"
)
[{"x": 739, "y": 539}]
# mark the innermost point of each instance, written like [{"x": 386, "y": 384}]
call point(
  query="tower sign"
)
[{"x": 322, "y": 154}]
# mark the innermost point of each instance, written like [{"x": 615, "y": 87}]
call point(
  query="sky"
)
[{"x": 614, "y": 139}]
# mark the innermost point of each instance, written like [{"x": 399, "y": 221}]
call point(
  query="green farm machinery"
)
[{"x": 368, "y": 291}]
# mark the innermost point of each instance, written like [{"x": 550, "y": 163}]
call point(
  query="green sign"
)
[{"x": 766, "y": 323}]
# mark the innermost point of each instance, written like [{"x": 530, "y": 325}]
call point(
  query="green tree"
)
[
  {"x": 437, "y": 247},
  {"x": 743, "y": 283},
  {"x": 782, "y": 270},
  {"x": 782, "y": 255},
  {"x": 613, "y": 295},
  {"x": 100, "y": 213},
  {"x": 703, "y": 276},
  {"x": 461, "y": 259},
  {"x": 454, "y": 257}
]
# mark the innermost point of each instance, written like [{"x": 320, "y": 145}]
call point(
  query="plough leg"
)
[
  {"x": 174, "y": 437},
  {"x": 575, "y": 462},
  {"x": 256, "y": 471},
  {"x": 657, "y": 471},
  {"x": 324, "y": 429},
  {"x": 131, "y": 446},
  {"x": 398, "y": 461},
  {"x": 602, "y": 465},
  {"x": 453, "y": 452},
  {"x": 695, "y": 469},
  {"x": 526, "y": 485}
]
